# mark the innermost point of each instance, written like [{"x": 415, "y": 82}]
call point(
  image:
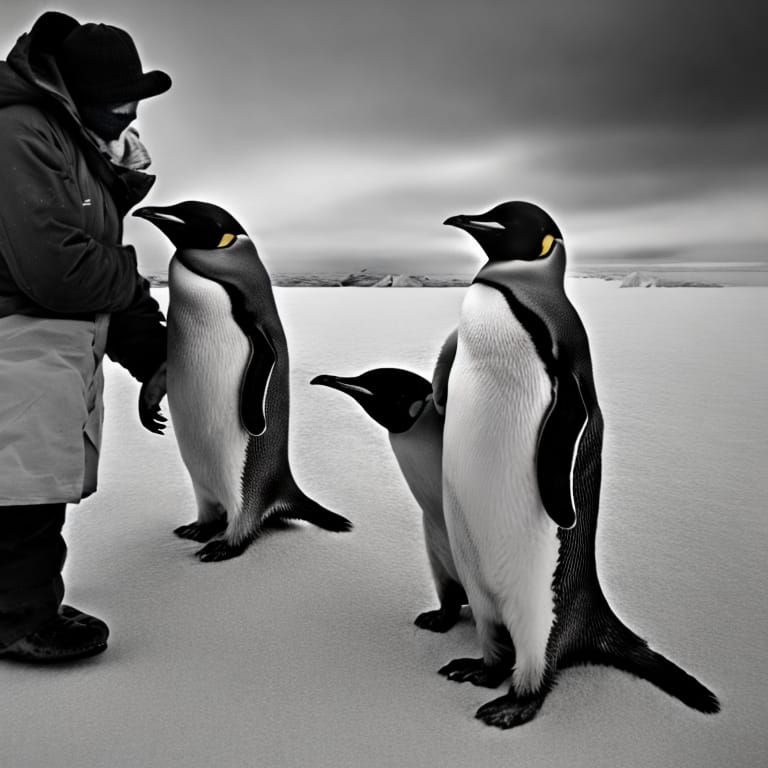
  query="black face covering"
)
[{"x": 104, "y": 122}]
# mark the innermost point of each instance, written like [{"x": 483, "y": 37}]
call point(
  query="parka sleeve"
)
[
  {"x": 50, "y": 255},
  {"x": 137, "y": 336}
]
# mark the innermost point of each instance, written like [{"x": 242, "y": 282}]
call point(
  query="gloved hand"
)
[{"x": 152, "y": 392}]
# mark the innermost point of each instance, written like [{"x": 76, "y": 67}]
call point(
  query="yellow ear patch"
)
[
  {"x": 546, "y": 244},
  {"x": 226, "y": 239}
]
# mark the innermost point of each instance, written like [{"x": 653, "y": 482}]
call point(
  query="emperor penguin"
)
[
  {"x": 521, "y": 477},
  {"x": 401, "y": 402},
  {"x": 227, "y": 381}
]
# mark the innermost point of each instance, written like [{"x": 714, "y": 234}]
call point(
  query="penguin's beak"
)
[
  {"x": 323, "y": 380},
  {"x": 155, "y": 214},
  {"x": 170, "y": 225},
  {"x": 457, "y": 221},
  {"x": 473, "y": 223},
  {"x": 347, "y": 385}
]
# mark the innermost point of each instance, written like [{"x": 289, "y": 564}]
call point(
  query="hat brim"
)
[
  {"x": 148, "y": 85},
  {"x": 151, "y": 84}
]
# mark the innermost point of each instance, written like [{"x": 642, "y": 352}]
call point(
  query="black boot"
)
[{"x": 69, "y": 635}]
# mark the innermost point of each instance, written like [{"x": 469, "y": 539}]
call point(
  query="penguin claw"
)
[
  {"x": 440, "y": 620},
  {"x": 201, "y": 532},
  {"x": 475, "y": 671},
  {"x": 218, "y": 550},
  {"x": 509, "y": 711}
]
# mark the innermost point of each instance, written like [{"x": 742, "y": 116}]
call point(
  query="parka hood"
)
[{"x": 31, "y": 75}]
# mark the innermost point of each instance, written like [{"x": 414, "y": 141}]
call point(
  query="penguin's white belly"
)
[
  {"x": 207, "y": 357},
  {"x": 504, "y": 544}
]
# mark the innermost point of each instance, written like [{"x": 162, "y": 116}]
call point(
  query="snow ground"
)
[{"x": 302, "y": 652}]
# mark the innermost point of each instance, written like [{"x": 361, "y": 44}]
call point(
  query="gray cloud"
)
[{"x": 458, "y": 69}]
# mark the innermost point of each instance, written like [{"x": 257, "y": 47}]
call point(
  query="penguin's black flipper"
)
[
  {"x": 443, "y": 370},
  {"x": 253, "y": 394},
  {"x": 558, "y": 443}
]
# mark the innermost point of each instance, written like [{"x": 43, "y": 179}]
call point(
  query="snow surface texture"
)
[{"x": 302, "y": 652}]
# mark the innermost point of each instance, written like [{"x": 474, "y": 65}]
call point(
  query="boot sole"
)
[{"x": 31, "y": 658}]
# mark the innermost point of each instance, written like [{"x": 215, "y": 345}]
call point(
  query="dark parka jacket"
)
[{"x": 69, "y": 290}]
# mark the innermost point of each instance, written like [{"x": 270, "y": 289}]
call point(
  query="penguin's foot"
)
[
  {"x": 510, "y": 710},
  {"x": 438, "y": 621},
  {"x": 220, "y": 549},
  {"x": 201, "y": 531},
  {"x": 475, "y": 671}
]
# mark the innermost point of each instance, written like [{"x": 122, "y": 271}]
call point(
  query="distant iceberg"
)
[
  {"x": 639, "y": 280},
  {"x": 398, "y": 281},
  {"x": 644, "y": 280}
]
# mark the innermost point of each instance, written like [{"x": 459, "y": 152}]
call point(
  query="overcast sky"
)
[{"x": 342, "y": 133}]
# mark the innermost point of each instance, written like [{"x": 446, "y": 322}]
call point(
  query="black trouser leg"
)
[{"x": 32, "y": 554}]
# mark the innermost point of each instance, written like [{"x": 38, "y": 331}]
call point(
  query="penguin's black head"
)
[
  {"x": 193, "y": 224},
  {"x": 511, "y": 231},
  {"x": 393, "y": 397}
]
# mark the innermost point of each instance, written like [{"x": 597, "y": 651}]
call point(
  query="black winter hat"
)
[{"x": 100, "y": 65}]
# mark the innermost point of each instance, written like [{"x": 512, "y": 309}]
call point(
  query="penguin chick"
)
[
  {"x": 227, "y": 381},
  {"x": 402, "y": 403},
  {"x": 521, "y": 477}
]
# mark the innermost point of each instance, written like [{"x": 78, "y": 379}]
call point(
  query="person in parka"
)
[{"x": 70, "y": 292}]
